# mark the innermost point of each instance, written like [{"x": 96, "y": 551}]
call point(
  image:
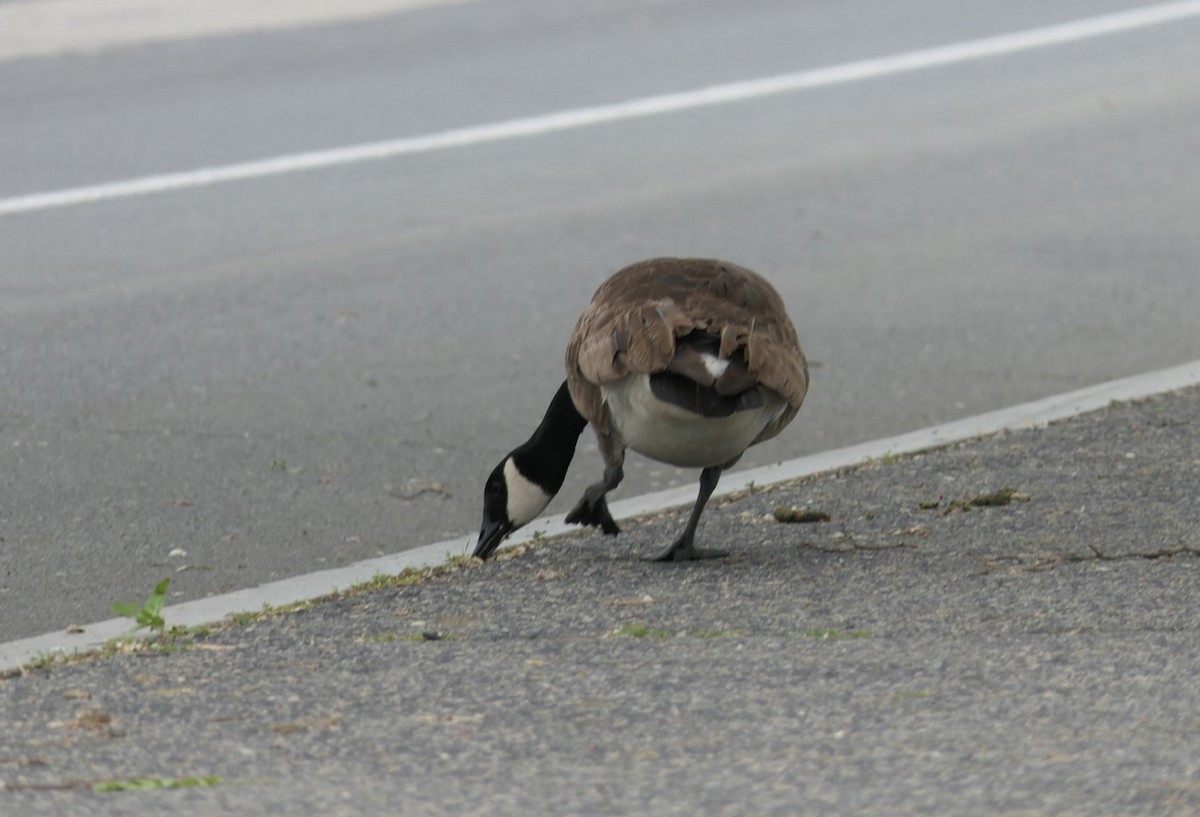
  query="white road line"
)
[
  {"x": 43, "y": 28},
  {"x": 1035, "y": 414},
  {"x": 1069, "y": 32}
]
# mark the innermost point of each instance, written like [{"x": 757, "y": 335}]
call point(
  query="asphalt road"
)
[
  {"x": 290, "y": 373},
  {"x": 962, "y": 660}
]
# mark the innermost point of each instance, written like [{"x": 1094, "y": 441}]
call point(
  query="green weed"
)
[
  {"x": 637, "y": 629},
  {"x": 838, "y": 634},
  {"x": 154, "y": 783},
  {"x": 149, "y": 615}
]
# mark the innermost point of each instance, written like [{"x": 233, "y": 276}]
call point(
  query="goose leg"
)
[
  {"x": 592, "y": 508},
  {"x": 683, "y": 548}
]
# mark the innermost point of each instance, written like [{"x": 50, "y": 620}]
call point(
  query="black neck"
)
[{"x": 546, "y": 456}]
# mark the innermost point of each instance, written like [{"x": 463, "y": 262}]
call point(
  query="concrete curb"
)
[{"x": 1034, "y": 414}]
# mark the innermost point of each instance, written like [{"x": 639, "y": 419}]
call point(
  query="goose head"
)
[
  {"x": 523, "y": 483},
  {"x": 511, "y": 500}
]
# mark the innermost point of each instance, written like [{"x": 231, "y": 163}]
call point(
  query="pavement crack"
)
[
  {"x": 1041, "y": 564},
  {"x": 66, "y": 785},
  {"x": 1161, "y": 553}
]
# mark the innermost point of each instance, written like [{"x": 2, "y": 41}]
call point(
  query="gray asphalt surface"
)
[
  {"x": 1036, "y": 658},
  {"x": 289, "y": 374}
]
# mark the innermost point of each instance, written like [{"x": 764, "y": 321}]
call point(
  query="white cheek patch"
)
[{"x": 525, "y": 499}]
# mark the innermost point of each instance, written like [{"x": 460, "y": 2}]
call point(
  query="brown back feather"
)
[{"x": 635, "y": 317}]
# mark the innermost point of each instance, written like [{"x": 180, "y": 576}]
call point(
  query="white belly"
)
[{"x": 673, "y": 435}]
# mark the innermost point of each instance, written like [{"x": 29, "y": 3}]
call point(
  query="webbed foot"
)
[{"x": 593, "y": 512}]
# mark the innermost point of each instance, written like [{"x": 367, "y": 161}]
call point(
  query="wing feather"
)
[{"x": 636, "y": 316}]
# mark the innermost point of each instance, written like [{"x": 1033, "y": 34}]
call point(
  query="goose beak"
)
[{"x": 491, "y": 535}]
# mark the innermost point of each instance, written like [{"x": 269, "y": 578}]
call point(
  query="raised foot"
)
[
  {"x": 594, "y": 513},
  {"x": 681, "y": 553}
]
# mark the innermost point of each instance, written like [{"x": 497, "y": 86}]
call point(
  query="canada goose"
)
[{"x": 689, "y": 361}]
